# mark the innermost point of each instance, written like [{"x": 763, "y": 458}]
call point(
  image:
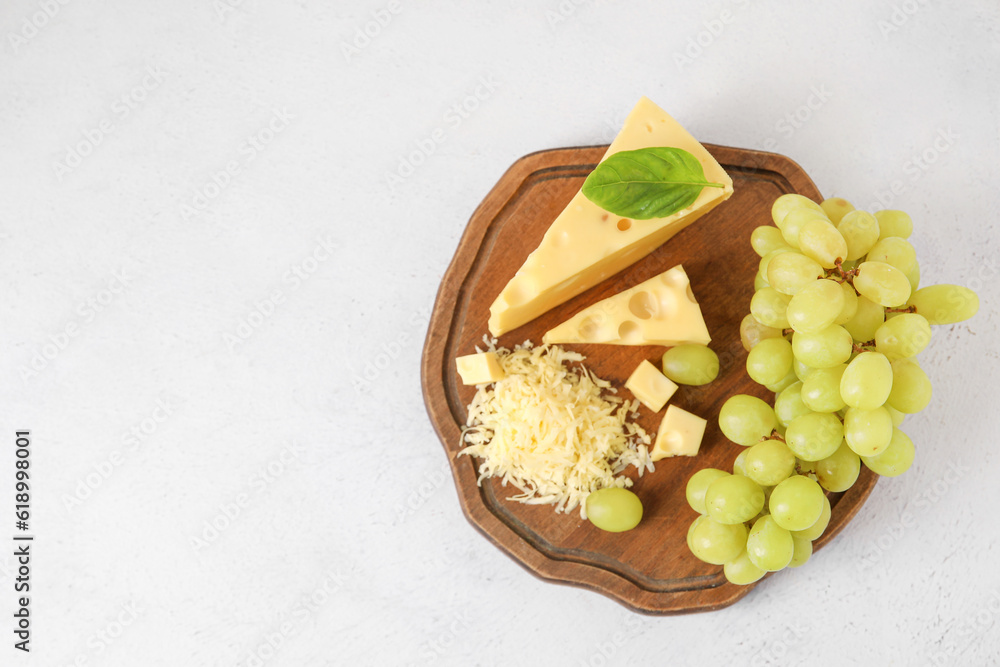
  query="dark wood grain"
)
[{"x": 648, "y": 569}]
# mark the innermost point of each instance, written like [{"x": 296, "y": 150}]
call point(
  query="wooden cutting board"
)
[{"x": 648, "y": 569}]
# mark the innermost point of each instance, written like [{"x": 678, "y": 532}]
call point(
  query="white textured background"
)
[{"x": 146, "y": 290}]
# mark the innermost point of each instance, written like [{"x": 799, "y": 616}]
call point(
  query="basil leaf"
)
[{"x": 647, "y": 183}]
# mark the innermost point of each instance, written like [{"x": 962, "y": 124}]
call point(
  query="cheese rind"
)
[
  {"x": 660, "y": 311},
  {"x": 481, "y": 368},
  {"x": 680, "y": 434},
  {"x": 650, "y": 386},
  {"x": 586, "y": 244}
]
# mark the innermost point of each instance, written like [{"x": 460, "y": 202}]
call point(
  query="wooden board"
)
[{"x": 648, "y": 569}]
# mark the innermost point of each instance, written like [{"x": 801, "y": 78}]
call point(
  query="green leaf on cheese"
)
[{"x": 647, "y": 183}]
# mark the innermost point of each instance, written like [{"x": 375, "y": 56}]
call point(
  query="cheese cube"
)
[
  {"x": 680, "y": 434},
  {"x": 479, "y": 368},
  {"x": 650, "y": 386}
]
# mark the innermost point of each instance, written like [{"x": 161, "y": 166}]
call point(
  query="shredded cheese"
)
[{"x": 549, "y": 430}]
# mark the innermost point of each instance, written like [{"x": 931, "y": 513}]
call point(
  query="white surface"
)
[{"x": 356, "y": 541}]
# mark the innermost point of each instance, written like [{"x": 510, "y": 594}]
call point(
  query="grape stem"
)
[
  {"x": 867, "y": 346},
  {"x": 774, "y": 436},
  {"x": 841, "y": 275},
  {"x": 907, "y": 309}
]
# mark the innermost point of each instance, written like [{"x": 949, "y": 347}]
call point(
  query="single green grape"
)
[
  {"x": 802, "y": 552},
  {"x": 860, "y": 230},
  {"x": 796, "y": 503},
  {"x": 839, "y": 471},
  {"x": 614, "y": 509},
  {"x": 739, "y": 462},
  {"x": 867, "y": 380},
  {"x": 895, "y": 459},
  {"x": 823, "y": 349},
  {"x": 866, "y": 320},
  {"x": 746, "y": 420},
  {"x": 836, "y": 208},
  {"x": 867, "y": 432},
  {"x": 768, "y": 306},
  {"x": 697, "y": 486},
  {"x": 766, "y": 238},
  {"x": 770, "y": 361},
  {"x": 814, "y": 436},
  {"x": 816, "y": 306},
  {"x": 793, "y": 224},
  {"x": 801, "y": 370},
  {"x": 788, "y": 404},
  {"x": 913, "y": 276},
  {"x": 945, "y": 304},
  {"x": 905, "y": 335},
  {"x": 769, "y": 462},
  {"x": 815, "y": 531},
  {"x": 765, "y": 261},
  {"x": 716, "y": 543},
  {"x": 752, "y": 332},
  {"x": 882, "y": 283},
  {"x": 783, "y": 383},
  {"x": 820, "y": 240},
  {"x": 741, "y": 571},
  {"x": 850, "y": 307},
  {"x": 821, "y": 390},
  {"x": 894, "y": 223},
  {"x": 791, "y": 271},
  {"x": 769, "y": 546},
  {"x": 691, "y": 364},
  {"x": 759, "y": 282},
  {"x": 895, "y": 252},
  {"x": 897, "y": 416},
  {"x": 786, "y": 203},
  {"x": 734, "y": 499},
  {"x": 911, "y": 388}
]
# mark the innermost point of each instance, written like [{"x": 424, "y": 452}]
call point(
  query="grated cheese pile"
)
[{"x": 546, "y": 429}]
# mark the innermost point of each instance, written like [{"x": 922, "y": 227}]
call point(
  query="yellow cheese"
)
[
  {"x": 479, "y": 368},
  {"x": 586, "y": 244},
  {"x": 552, "y": 429},
  {"x": 650, "y": 386},
  {"x": 660, "y": 311},
  {"x": 680, "y": 434}
]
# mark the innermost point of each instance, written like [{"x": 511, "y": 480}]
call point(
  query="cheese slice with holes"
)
[
  {"x": 660, "y": 311},
  {"x": 587, "y": 244}
]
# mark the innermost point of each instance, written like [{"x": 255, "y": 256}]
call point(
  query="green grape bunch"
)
[{"x": 836, "y": 322}]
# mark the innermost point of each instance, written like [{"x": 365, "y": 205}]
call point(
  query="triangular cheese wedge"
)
[
  {"x": 586, "y": 244},
  {"x": 660, "y": 311}
]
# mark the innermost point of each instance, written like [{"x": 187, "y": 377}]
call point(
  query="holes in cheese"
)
[
  {"x": 660, "y": 311},
  {"x": 642, "y": 305},
  {"x": 518, "y": 291},
  {"x": 680, "y": 434},
  {"x": 650, "y": 386},
  {"x": 584, "y": 246}
]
